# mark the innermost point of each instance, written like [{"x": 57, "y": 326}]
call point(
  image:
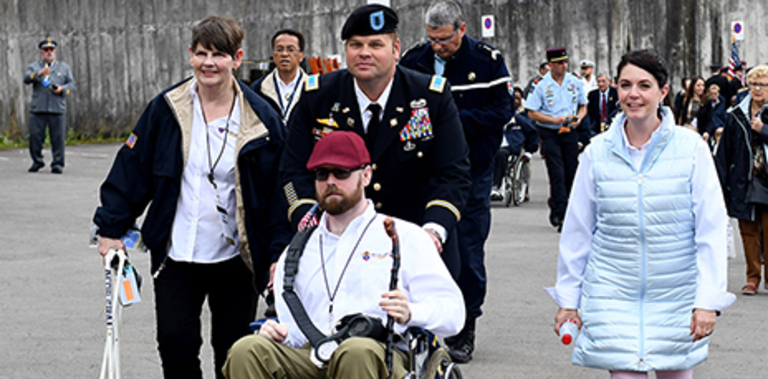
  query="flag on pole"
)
[{"x": 735, "y": 61}]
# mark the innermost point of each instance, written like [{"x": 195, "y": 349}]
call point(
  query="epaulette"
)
[
  {"x": 742, "y": 89},
  {"x": 437, "y": 84},
  {"x": 537, "y": 80},
  {"x": 312, "y": 83},
  {"x": 416, "y": 46},
  {"x": 488, "y": 49}
]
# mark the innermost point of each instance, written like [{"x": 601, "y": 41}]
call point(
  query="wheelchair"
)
[
  {"x": 514, "y": 185},
  {"x": 426, "y": 358}
]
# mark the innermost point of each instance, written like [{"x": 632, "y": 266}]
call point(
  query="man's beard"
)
[{"x": 337, "y": 205}]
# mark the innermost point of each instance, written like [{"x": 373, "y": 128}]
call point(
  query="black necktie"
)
[{"x": 373, "y": 126}]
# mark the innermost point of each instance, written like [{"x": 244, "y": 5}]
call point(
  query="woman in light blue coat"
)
[{"x": 643, "y": 263}]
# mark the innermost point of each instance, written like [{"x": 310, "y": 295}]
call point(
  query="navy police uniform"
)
[
  {"x": 482, "y": 91},
  {"x": 419, "y": 159}
]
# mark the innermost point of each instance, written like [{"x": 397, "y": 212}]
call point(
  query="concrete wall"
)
[{"x": 123, "y": 53}]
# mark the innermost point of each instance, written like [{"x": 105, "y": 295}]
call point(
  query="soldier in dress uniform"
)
[
  {"x": 558, "y": 104},
  {"x": 408, "y": 120},
  {"x": 481, "y": 88}
]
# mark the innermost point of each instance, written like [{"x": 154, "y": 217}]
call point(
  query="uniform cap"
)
[
  {"x": 587, "y": 63},
  {"x": 47, "y": 43},
  {"x": 369, "y": 20},
  {"x": 339, "y": 149},
  {"x": 557, "y": 54}
]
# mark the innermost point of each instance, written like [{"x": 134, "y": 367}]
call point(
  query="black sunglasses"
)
[{"x": 321, "y": 174}]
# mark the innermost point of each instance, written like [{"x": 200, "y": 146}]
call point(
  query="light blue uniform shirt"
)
[
  {"x": 554, "y": 100},
  {"x": 439, "y": 65}
]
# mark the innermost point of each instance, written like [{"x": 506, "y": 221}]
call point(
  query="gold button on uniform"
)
[
  {"x": 378, "y": 205},
  {"x": 373, "y": 167},
  {"x": 376, "y": 186},
  {"x": 419, "y": 154}
]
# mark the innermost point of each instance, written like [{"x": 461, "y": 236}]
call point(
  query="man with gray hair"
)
[
  {"x": 602, "y": 103},
  {"x": 481, "y": 88}
]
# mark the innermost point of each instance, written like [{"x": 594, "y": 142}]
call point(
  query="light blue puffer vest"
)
[{"x": 640, "y": 280}]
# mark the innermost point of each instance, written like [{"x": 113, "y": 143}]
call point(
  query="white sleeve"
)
[
  {"x": 576, "y": 238},
  {"x": 711, "y": 224},
  {"x": 435, "y": 301}
]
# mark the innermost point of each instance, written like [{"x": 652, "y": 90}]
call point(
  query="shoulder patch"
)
[
  {"x": 437, "y": 84},
  {"x": 743, "y": 89},
  {"x": 489, "y": 50},
  {"x": 312, "y": 83}
]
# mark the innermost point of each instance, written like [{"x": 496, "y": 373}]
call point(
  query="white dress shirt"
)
[
  {"x": 434, "y": 299},
  {"x": 287, "y": 92},
  {"x": 196, "y": 235},
  {"x": 710, "y": 225}
]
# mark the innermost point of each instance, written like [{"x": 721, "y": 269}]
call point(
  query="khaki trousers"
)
[
  {"x": 754, "y": 236},
  {"x": 356, "y": 358}
]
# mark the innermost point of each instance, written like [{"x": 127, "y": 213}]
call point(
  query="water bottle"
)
[
  {"x": 46, "y": 80},
  {"x": 568, "y": 331}
]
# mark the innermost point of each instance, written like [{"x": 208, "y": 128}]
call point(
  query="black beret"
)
[
  {"x": 557, "y": 54},
  {"x": 369, "y": 20},
  {"x": 47, "y": 43}
]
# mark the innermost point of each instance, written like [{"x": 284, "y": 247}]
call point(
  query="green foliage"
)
[{"x": 72, "y": 138}]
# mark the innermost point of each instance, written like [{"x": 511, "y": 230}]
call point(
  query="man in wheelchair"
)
[
  {"x": 343, "y": 274},
  {"x": 519, "y": 134}
]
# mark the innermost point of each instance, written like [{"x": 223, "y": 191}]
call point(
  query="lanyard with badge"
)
[
  {"x": 288, "y": 99},
  {"x": 227, "y": 229}
]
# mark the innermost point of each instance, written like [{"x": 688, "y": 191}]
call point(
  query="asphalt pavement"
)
[{"x": 52, "y": 286}]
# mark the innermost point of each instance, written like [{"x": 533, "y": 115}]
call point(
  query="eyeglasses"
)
[
  {"x": 48, "y": 49},
  {"x": 760, "y": 86},
  {"x": 321, "y": 174},
  {"x": 281, "y": 49},
  {"x": 441, "y": 41}
]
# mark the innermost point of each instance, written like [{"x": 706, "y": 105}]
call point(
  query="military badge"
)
[
  {"x": 335, "y": 107},
  {"x": 409, "y": 146},
  {"x": 321, "y": 132},
  {"x": 328, "y": 121},
  {"x": 351, "y": 122},
  {"x": 472, "y": 76},
  {"x": 400, "y": 109},
  {"x": 345, "y": 110},
  {"x": 419, "y": 126},
  {"x": 393, "y": 122},
  {"x": 312, "y": 83},
  {"x": 420, "y": 103},
  {"x": 511, "y": 88},
  {"x": 437, "y": 84}
]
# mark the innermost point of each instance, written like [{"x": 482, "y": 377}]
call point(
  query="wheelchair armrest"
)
[{"x": 256, "y": 325}]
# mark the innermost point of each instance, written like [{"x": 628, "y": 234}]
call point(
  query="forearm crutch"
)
[
  {"x": 110, "y": 364},
  {"x": 389, "y": 225}
]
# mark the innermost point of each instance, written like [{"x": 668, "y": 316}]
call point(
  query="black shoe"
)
[
  {"x": 36, "y": 166},
  {"x": 555, "y": 220},
  {"x": 270, "y": 300},
  {"x": 56, "y": 170},
  {"x": 463, "y": 345}
]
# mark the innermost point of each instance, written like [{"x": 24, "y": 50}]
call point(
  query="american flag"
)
[
  {"x": 310, "y": 219},
  {"x": 735, "y": 61}
]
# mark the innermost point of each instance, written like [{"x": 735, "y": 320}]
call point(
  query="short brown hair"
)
[{"x": 216, "y": 32}]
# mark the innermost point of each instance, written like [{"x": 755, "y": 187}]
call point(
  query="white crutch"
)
[{"x": 110, "y": 364}]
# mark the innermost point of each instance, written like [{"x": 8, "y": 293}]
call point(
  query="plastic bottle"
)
[
  {"x": 46, "y": 80},
  {"x": 568, "y": 331}
]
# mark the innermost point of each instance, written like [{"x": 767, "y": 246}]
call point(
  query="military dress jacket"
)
[
  {"x": 43, "y": 98},
  {"x": 480, "y": 84},
  {"x": 419, "y": 158}
]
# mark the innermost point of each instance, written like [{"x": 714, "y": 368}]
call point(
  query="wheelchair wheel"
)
[
  {"x": 508, "y": 182},
  {"x": 438, "y": 364},
  {"x": 522, "y": 174},
  {"x": 452, "y": 372}
]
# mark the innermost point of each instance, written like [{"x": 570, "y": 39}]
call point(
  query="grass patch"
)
[{"x": 72, "y": 138}]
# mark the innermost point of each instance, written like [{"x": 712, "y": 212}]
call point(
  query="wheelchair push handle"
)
[{"x": 389, "y": 226}]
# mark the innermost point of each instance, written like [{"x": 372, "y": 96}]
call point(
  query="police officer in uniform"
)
[
  {"x": 480, "y": 85},
  {"x": 51, "y": 82},
  {"x": 408, "y": 120},
  {"x": 557, "y": 96}
]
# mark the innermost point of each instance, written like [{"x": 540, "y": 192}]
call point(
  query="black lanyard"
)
[
  {"x": 212, "y": 166},
  {"x": 280, "y": 97},
  {"x": 332, "y": 296}
]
